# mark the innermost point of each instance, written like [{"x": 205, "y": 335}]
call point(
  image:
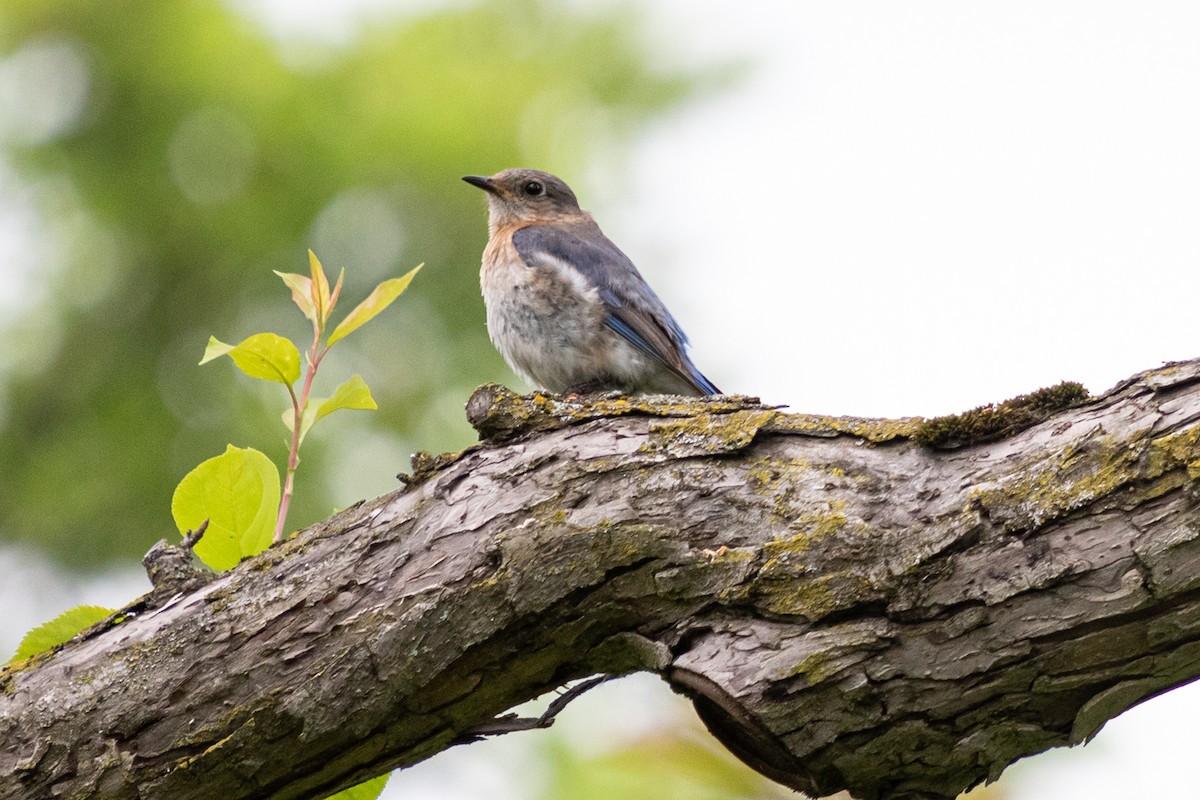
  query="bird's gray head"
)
[{"x": 524, "y": 196}]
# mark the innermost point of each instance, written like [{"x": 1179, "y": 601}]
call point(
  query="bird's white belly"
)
[{"x": 548, "y": 324}]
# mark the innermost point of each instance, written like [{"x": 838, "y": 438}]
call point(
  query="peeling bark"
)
[{"x": 848, "y": 609}]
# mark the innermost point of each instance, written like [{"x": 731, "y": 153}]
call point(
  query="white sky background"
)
[{"x": 912, "y": 208}]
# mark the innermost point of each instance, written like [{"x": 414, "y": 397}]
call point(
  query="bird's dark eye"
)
[{"x": 533, "y": 188}]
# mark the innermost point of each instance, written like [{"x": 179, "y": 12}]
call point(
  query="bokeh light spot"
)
[
  {"x": 212, "y": 157},
  {"x": 44, "y": 87},
  {"x": 362, "y": 229}
]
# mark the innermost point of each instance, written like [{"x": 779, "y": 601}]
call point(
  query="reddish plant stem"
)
[{"x": 298, "y": 406}]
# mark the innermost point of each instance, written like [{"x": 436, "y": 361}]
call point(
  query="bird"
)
[{"x": 566, "y": 308}]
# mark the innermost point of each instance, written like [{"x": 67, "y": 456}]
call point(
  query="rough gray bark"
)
[{"x": 848, "y": 609}]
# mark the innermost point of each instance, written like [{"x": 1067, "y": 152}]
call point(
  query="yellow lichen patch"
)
[
  {"x": 783, "y": 558},
  {"x": 812, "y": 597},
  {"x": 729, "y": 555},
  {"x": 811, "y": 528},
  {"x": 1067, "y": 480},
  {"x": 777, "y": 549},
  {"x": 552, "y": 514},
  {"x": 824, "y": 523},
  {"x": 873, "y": 430},
  {"x": 816, "y": 667},
  {"x": 566, "y": 411},
  {"x": 1172, "y": 451},
  {"x": 502, "y": 575},
  {"x": 426, "y": 464},
  {"x": 706, "y": 434},
  {"x": 1172, "y": 374},
  {"x": 766, "y": 473},
  {"x": 720, "y": 573},
  {"x": 762, "y": 475},
  {"x": 188, "y": 761},
  {"x": 499, "y": 413},
  {"x": 1078, "y": 475},
  {"x": 833, "y": 654}
]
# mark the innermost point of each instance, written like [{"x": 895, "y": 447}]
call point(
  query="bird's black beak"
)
[{"x": 482, "y": 182}]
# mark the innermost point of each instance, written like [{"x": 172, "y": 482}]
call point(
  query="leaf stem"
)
[{"x": 315, "y": 354}]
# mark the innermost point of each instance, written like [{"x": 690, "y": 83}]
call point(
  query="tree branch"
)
[{"x": 847, "y": 608}]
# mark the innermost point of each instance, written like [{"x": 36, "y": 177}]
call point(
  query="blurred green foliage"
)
[
  {"x": 176, "y": 154},
  {"x": 666, "y": 765},
  {"x": 678, "y": 761}
]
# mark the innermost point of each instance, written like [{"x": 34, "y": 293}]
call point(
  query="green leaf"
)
[
  {"x": 266, "y": 356},
  {"x": 337, "y": 289},
  {"x": 214, "y": 349},
  {"x": 301, "y": 286},
  {"x": 368, "y": 790},
  {"x": 354, "y": 394},
  {"x": 59, "y": 630},
  {"x": 238, "y": 493},
  {"x": 320, "y": 288},
  {"x": 379, "y": 299},
  {"x": 306, "y": 419}
]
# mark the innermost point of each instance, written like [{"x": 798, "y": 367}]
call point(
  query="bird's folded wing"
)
[{"x": 634, "y": 311}]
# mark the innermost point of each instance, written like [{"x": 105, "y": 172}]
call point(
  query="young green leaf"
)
[
  {"x": 306, "y": 419},
  {"x": 266, "y": 356},
  {"x": 59, "y": 630},
  {"x": 215, "y": 349},
  {"x": 337, "y": 289},
  {"x": 238, "y": 493},
  {"x": 376, "y": 301},
  {"x": 368, "y": 790},
  {"x": 320, "y": 289},
  {"x": 353, "y": 394},
  {"x": 301, "y": 287}
]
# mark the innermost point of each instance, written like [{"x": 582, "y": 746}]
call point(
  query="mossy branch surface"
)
[
  {"x": 999, "y": 420},
  {"x": 847, "y": 607}
]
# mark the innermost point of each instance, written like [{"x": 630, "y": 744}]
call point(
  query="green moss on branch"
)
[{"x": 1000, "y": 420}]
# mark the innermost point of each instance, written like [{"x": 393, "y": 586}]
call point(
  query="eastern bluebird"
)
[{"x": 565, "y": 307}]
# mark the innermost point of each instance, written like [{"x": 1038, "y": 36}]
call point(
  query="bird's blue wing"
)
[
  {"x": 600, "y": 261},
  {"x": 634, "y": 311}
]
